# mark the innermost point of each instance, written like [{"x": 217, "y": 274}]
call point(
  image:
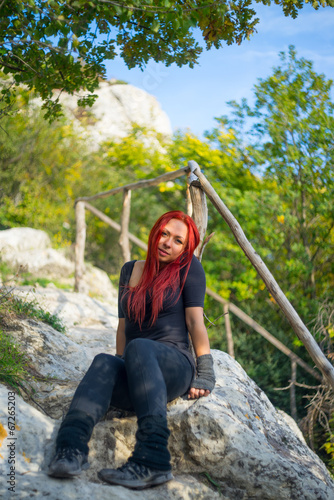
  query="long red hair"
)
[{"x": 154, "y": 283}]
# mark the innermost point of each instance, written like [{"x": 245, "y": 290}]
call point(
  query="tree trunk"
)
[
  {"x": 124, "y": 237},
  {"x": 79, "y": 245},
  {"x": 229, "y": 337},
  {"x": 199, "y": 209}
]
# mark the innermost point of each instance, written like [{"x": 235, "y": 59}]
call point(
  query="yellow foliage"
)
[{"x": 271, "y": 298}]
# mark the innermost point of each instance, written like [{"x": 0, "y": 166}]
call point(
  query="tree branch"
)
[{"x": 9, "y": 66}]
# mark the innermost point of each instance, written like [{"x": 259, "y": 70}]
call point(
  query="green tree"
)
[
  {"x": 293, "y": 119},
  {"x": 62, "y": 44}
]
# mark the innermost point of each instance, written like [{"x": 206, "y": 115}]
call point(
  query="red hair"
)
[{"x": 155, "y": 282}]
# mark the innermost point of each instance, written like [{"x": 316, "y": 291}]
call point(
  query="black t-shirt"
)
[{"x": 170, "y": 327}]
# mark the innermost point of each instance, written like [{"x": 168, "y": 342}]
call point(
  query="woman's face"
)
[{"x": 173, "y": 241}]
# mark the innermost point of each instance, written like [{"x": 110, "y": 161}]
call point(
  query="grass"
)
[
  {"x": 11, "y": 305},
  {"x": 29, "y": 280},
  {"x": 13, "y": 363},
  {"x": 212, "y": 482}
]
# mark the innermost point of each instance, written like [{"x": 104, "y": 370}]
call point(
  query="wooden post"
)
[
  {"x": 293, "y": 405},
  {"x": 124, "y": 237},
  {"x": 189, "y": 203},
  {"x": 79, "y": 245},
  {"x": 230, "y": 344},
  {"x": 200, "y": 209},
  {"x": 298, "y": 326}
]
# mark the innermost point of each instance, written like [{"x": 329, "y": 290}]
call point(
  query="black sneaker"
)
[
  {"x": 68, "y": 462},
  {"x": 135, "y": 476}
]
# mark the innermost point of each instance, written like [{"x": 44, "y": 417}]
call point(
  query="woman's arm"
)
[
  {"x": 197, "y": 330},
  {"x": 120, "y": 336},
  {"x": 200, "y": 340}
]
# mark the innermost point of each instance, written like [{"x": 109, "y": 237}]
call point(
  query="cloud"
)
[{"x": 309, "y": 21}]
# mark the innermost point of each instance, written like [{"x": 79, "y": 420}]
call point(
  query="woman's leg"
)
[
  {"x": 156, "y": 374},
  {"x": 90, "y": 402}
]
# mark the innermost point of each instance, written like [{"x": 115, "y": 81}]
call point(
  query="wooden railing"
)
[{"x": 198, "y": 188}]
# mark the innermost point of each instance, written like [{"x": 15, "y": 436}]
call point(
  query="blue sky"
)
[{"x": 193, "y": 97}]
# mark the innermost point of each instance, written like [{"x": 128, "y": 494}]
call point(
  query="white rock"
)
[
  {"x": 41, "y": 263},
  {"x": 74, "y": 309},
  {"x": 31, "y": 447},
  {"x": 30, "y": 249},
  {"x": 23, "y": 239},
  {"x": 117, "y": 108}
]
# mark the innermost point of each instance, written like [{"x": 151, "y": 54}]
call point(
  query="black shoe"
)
[
  {"x": 68, "y": 462},
  {"x": 135, "y": 476}
]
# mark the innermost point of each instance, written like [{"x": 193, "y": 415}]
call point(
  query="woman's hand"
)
[
  {"x": 197, "y": 393},
  {"x": 205, "y": 379}
]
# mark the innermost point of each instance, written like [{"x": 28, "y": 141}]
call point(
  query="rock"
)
[
  {"x": 117, "y": 109},
  {"x": 41, "y": 263},
  {"x": 30, "y": 250},
  {"x": 235, "y": 436},
  {"x": 23, "y": 239},
  {"x": 75, "y": 309},
  {"x": 62, "y": 359},
  {"x": 31, "y": 447}
]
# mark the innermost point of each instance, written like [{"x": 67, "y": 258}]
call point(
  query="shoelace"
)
[{"x": 134, "y": 468}]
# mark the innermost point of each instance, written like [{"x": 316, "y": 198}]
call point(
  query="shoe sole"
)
[
  {"x": 62, "y": 473},
  {"x": 136, "y": 484}
]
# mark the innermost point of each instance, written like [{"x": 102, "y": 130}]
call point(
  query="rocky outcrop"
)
[
  {"x": 27, "y": 249},
  {"x": 117, "y": 109},
  {"x": 231, "y": 445}
]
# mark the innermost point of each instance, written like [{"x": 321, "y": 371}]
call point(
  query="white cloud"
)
[{"x": 309, "y": 21}]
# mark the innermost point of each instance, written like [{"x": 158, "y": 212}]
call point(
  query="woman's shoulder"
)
[
  {"x": 132, "y": 271},
  {"x": 126, "y": 270},
  {"x": 128, "y": 265},
  {"x": 195, "y": 265}
]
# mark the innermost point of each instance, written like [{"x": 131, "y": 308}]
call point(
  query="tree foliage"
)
[
  {"x": 293, "y": 144},
  {"x": 62, "y": 45}
]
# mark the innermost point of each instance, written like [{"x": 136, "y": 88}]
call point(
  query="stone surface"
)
[
  {"x": 114, "y": 113},
  {"x": 32, "y": 450},
  {"x": 235, "y": 436},
  {"x": 30, "y": 250},
  {"x": 23, "y": 239},
  {"x": 117, "y": 108}
]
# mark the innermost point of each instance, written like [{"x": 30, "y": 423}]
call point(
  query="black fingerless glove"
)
[{"x": 205, "y": 374}]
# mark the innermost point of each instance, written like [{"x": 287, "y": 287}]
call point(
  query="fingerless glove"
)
[{"x": 205, "y": 378}]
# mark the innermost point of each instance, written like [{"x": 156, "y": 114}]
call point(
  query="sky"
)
[{"x": 192, "y": 98}]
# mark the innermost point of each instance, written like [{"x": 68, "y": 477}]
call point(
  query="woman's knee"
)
[
  {"x": 102, "y": 361},
  {"x": 138, "y": 348}
]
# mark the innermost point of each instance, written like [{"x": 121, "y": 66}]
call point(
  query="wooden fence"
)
[{"x": 198, "y": 189}]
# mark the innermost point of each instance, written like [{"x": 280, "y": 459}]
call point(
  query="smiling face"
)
[{"x": 173, "y": 241}]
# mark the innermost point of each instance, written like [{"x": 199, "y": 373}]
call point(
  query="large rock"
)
[
  {"x": 28, "y": 249},
  {"x": 31, "y": 446},
  {"x": 235, "y": 437},
  {"x": 117, "y": 108},
  {"x": 22, "y": 239}
]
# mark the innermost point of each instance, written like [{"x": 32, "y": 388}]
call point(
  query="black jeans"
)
[{"x": 150, "y": 375}]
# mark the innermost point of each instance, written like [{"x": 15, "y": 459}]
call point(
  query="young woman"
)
[{"x": 160, "y": 301}]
